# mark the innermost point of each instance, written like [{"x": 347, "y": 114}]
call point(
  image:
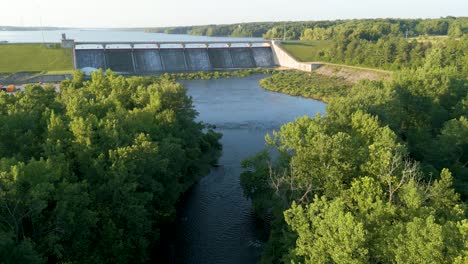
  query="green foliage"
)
[
  {"x": 217, "y": 74},
  {"x": 89, "y": 174},
  {"x": 368, "y": 29},
  {"x": 394, "y": 52},
  {"x": 13, "y": 252},
  {"x": 310, "y": 85},
  {"x": 381, "y": 178},
  {"x": 360, "y": 227},
  {"x": 327, "y": 233}
]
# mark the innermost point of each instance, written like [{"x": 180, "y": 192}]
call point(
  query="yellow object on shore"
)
[{"x": 11, "y": 88}]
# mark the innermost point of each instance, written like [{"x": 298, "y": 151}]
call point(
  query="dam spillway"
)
[{"x": 172, "y": 57}]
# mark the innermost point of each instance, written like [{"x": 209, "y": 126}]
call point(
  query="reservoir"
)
[
  {"x": 39, "y": 36},
  {"x": 215, "y": 223}
]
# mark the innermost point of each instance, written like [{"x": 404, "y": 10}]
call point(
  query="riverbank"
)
[
  {"x": 353, "y": 74},
  {"x": 307, "y": 84},
  {"x": 24, "y": 78},
  {"x": 215, "y": 221},
  {"x": 305, "y": 56}
]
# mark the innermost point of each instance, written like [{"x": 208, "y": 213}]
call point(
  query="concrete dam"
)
[{"x": 147, "y": 58}]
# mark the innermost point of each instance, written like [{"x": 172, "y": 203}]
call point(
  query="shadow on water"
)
[{"x": 215, "y": 223}]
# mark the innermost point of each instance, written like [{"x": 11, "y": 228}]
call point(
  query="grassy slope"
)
[
  {"x": 353, "y": 74},
  {"x": 305, "y": 50},
  {"x": 34, "y": 58}
]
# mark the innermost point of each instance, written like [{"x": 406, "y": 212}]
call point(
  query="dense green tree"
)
[
  {"x": 90, "y": 173},
  {"x": 371, "y": 181},
  {"x": 361, "y": 226},
  {"x": 367, "y": 29}
]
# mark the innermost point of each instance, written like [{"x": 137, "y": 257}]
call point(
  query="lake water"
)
[
  {"x": 215, "y": 223},
  {"x": 102, "y": 35}
]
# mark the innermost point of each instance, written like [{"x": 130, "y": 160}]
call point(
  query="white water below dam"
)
[{"x": 174, "y": 59}]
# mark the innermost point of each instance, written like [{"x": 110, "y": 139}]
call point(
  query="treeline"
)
[
  {"x": 370, "y": 29},
  {"x": 394, "y": 53},
  {"x": 381, "y": 178},
  {"x": 89, "y": 174},
  {"x": 209, "y": 75},
  {"x": 234, "y": 30}
]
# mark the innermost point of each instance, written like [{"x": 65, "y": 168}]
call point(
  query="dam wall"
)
[
  {"x": 284, "y": 59},
  {"x": 148, "y": 61},
  {"x": 173, "y": 58}
]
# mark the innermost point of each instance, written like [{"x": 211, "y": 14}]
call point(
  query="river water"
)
[{"x": 215, "y": 223}]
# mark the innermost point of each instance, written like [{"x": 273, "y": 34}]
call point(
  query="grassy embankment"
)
[
  {"x": 305, "y": 51},
  {"x": 35, "y": 58},
  {"x": 308, "y": 51},
  {"x": 325, "y": 83}
]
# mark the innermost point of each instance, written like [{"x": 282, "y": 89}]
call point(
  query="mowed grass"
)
[
  {"x": 306, "y": 50},
  {"x": 34, "y": 58}
]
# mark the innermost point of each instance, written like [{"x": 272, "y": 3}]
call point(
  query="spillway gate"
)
[{"x": 160, "y": 57}]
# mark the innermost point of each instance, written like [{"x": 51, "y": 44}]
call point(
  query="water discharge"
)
[
  {"x": 175, "y": 59},
  {"x": 148, "y": 61},
  {"x": 215, "y": 223}
]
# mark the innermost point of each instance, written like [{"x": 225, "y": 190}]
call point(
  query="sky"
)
[{"x": 157, "y": 13}]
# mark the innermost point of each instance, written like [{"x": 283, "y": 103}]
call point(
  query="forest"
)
[
  {"x": 91, "y": 173},
  {"x": 382, "y": 177},
  {"x": 372, "y": 29},
  {"x": 390, "y": 44},
  {"x": 392, "y": 52}
]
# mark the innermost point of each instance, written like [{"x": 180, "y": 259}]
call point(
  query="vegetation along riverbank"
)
[
  {"x": 90, "y": 172},
  {"x": 382, "y": 177},
  {"x": 100, "y": 163}
]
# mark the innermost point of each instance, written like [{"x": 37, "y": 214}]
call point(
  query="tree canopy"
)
[
  {"x": 380, "y": 178},
  {"x": 90, "y": 173},
  {"x": 369, "y": 29}
]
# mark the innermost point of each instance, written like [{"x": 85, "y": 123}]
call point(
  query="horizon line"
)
[{"x": 222, "y": 24}]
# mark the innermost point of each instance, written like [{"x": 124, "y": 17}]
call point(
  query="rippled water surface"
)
[{"x": 215, "y": 223}]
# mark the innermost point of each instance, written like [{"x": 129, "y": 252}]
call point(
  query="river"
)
[{"x": 215, "y": 223}]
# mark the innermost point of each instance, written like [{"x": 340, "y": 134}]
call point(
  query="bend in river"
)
[{"x": 215, "y": 223}]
